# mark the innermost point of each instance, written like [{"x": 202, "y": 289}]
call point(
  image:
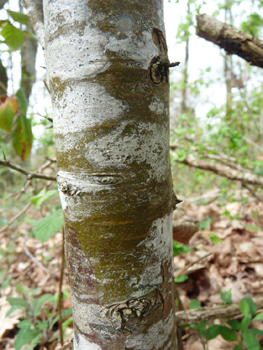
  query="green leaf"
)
[
  {"x": 24, "y": 336},
  {"x": 238, "y": 347},
  {"x": 13, "y": 36},
  {"x": 181, "y": 278},
  {"x": 34, "y": 291},
  {"x": 22, "y": 136},
  {"x": 179, "y": 248},
  {"x": 256, "y": 331},
  {"x": 22, "y": 100},
  {"x": 252, "y": 305},
  {"x": 42, "y": 196},
  {"x": 17, "y": 302},
  {"x": 32, "y": 36},
  {"x": 214, "y": 238},
  {"x": 234, "y": 324},
  {"x": 252, "y": 227},
  {"x": 226, "y": 296},
  {"x": 213, "y": 331},
  {"x": 19, "y": 17},
  {"x": 259, "y": 170},
  {"x": 21, "y": 289},
  {"x": 251, "y": 340},
  {"x": 13, "y": 308},
  {"x": 181, "y": 155},
  {"x": 259, "y": 317},
  {"x": 201, "y": 326},
  {"x": 227, "y": 334},
  {"x": 245, "y": 323},
  {"x": 8, "y": 109},
  {"x": 47, "y": 226},
  {"x": 224, "y": 331},
  {"x": 194, "y": 304},
  {"x": 244, "y": 307},
  {"x": 25, "y": 324},
  {"x": 42, "y": 325},
  {"x": 65, "y": 313},
  {"x": 67, "y": 323},
  {"x": 205, "y": 223},
  {"x": 37, "y": 304}
]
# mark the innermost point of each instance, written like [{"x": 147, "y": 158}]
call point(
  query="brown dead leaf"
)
[
  {"x": 7, "y": 323},
  {"x": 258, "y": 267},
  {"x": 219, "y": 343}
]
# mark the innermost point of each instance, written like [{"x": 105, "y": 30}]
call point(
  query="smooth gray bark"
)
[{"x": 108, "y": 75}]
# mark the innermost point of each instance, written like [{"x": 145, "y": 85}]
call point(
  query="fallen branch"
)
[
  {"x": 223, "y": 170},
  {"x": 187, "y": 317},
  {"x": 222, "y": 158},
  {"x": 233, "y": 41}
]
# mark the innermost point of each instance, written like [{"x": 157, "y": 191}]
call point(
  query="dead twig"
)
[
  {"x": 187, "y": 267},
  {"x": 31, "y": 256},
  {"x": 30, "y": 175},
  {"x": 23, "y": 211}
]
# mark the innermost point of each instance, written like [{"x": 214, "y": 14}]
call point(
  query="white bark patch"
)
[
  {"x": 81, "y": 343},
  {"x": 85, "y": 105},
  {"x": 158, "y": 106},
  {"x": 72, "y": 185},
  {"x": 86, "y": 314},
  {"x": 139, "y": 48},
  {"x": 77, "y": 56},
  {"x": 155, "y": 337},
  {"x": 63, "y": 200},
  {"x": 147, "y": 144},
  {"x": 79, "y": 51},
  {"x": 159, "y": 242}
]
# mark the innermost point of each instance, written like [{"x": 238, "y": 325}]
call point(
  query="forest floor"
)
[{"x": 231, "y": 232}]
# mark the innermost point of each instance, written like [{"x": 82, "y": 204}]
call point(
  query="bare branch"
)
[
  {"x": 23, "y": 211},
  {"x": 35, "y": 12},
  {"x": 45, "y": 117},
  {"x": 187, "y": 317},
  {"x": 30, "y": 175},
  {"x": 230, "y": 39},
  {"x": 252, "y": 192}
]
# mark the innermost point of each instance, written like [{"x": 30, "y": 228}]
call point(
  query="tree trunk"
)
[
  {"x": 28, "y": 61},
  {"x": 184, "y": 106},
  {"x": 108, "y": 74}
]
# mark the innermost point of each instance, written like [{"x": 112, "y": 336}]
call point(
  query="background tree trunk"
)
[{"x": 107, "y": 70}]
